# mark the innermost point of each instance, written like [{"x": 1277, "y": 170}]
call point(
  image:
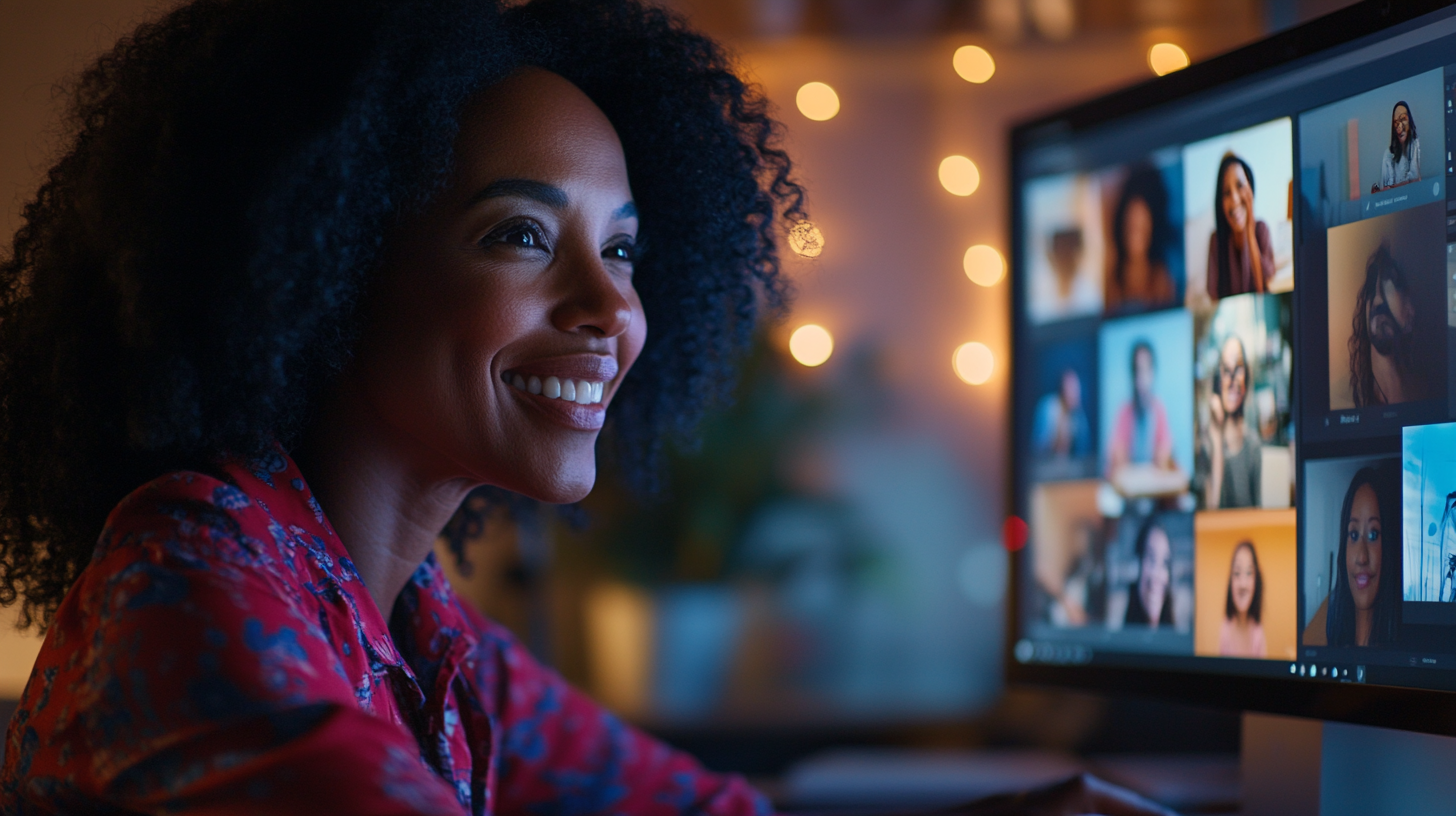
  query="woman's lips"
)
[
  {"x": 570, "y": 389},
  {"x": 1362, "y": 579}
]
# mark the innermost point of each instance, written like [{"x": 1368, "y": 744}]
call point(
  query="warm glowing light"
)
[
  {"x": 973, "y": 63},
  {"x": 1165, "y": 58},
  {"x": 806, "y": 239},
  {"x": 811, "y": 344},
  {"x": 974, "y": 363},
  {"x": 984, "y": 265},
  {"x": 818, "y": 101},
  {"x": 959, "y": 175}
]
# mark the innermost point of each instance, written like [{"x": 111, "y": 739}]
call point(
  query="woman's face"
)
[
  {"x": 1236, "y": 196},
  {"x": 504, "y": 318},
  {"x": 1137, "y": 228},
  {"x": 1156, "y": 572},
  {"x": 1233, "y": 376},
  {"x": 1241, "y": 580},
  {"x": 1400, "y": 121},
  {"x": 1363, "y": 544}
]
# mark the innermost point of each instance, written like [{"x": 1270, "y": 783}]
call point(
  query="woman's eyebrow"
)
[
  {"x": 550, "y": 195},
  {"x": 628, "y": 210}
]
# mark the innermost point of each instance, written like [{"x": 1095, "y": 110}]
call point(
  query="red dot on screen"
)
[{"x": 1013, "y": 533}]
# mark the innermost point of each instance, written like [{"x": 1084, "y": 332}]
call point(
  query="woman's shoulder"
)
[{"x": 181, "y": 507}]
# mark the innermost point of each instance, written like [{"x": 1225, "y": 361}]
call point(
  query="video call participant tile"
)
[
  {"x": 1386, "y": 295},
  {"x": 1146, "y": 404},
  {"x": 1245, "y": 569},
  {"x": 1142, "y": 220},
  {"x": 1242, "y": 396},
  {"x": 1064, "y": 252},
  {"x": 1353, "y": 560},
  {"x": 1377, "y": 152},
  {"x": 1239, "y": 213},
  {"x": 1063, "y": 424}
]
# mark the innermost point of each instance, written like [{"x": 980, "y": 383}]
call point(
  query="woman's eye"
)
[
  {"x": 523, "y": 236},
  {"x": 1354, "y": 534},
  {"x": 624, "y": 253},
  {"x": 1373, "y": 535}
]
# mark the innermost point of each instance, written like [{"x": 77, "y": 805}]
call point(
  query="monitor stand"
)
[{"x": 1296, "y": 766}]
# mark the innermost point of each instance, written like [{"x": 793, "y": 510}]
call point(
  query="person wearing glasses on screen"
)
[
  {"x": 310, "y": 275},
  {"x": 1230, "y": 460},
  {"x": 1363, "y": 608},
  {"x": 1240, "y": 251},
  {"x": 1401, "y": 163}
]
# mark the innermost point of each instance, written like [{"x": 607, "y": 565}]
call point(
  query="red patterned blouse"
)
[{"x": 220, "y": 655}]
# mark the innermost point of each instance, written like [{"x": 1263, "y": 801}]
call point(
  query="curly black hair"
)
[
  {"x": 1144, "y": 181},
  {"x": 187, "y": 278}
]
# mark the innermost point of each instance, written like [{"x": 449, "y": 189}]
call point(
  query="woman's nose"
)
[{"x": 594, "y": 299}]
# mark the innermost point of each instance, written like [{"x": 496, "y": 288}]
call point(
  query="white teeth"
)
[{"x": 581, "y": 392}]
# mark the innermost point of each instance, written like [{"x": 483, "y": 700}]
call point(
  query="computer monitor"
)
[{"x": 1234, "y": 386}]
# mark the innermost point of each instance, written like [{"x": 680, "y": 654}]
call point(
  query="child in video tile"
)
[
  {"x": 1242, "y": 634},
  {"x": 1240, "y": 251},
  {"x": 1061, "y": 428},
  {"x": 1364, "y": 604},
  {"x": 1140, "y": 454},
  {"x": 1402, "y": 163},
  {"x": 1230, "y": 460},
  {"x": 1148, "y": 603}
]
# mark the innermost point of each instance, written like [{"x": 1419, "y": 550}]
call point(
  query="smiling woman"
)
[{"x": 309, "y": 275}]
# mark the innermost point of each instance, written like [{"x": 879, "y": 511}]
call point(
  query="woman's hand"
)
[{"x": 1082, "y": 794}]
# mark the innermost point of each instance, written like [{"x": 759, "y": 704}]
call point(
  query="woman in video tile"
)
[
  {"x": 1402, "y": 162},
  {"x": 1141, "y": 232},
  {"x": 1242, "y": 634},
  {"x": 1231, "y": 458},
  {"x": 1240, "y": 251},
  {"x": 1363, "y": 608},
  {"x": 1149, "y": 602}
]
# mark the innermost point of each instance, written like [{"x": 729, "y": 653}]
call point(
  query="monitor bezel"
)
[{"x": 1422, "y": 710}]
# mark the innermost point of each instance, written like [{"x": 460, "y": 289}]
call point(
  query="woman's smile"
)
[{"x": 572, "y": 390}]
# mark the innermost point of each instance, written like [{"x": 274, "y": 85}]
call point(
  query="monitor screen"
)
[{"x": 1235, "y": 371}]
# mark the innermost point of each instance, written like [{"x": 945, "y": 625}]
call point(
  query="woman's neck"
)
[
  {"x": 1136, "y": 275},
  {"x": 1364, "y": 624},
  {"x": 1233, "y": 433},
  {"x": 385, "y": 502}
]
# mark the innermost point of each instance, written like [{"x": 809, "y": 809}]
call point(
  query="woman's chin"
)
[{"x": 562, "y": 488}]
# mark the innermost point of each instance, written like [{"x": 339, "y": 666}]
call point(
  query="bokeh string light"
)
[
  {"x": 811, "y": 344},
  {"x": 984, "y": 265},
  {"x": 817, "y": 101},
  {"x": 974, "y": 363},
  {"x": 806, "y": 240},
  {"x": 959, "y": 175},
  {"x": 1165, "y": 58},
  {"x": 973, "y": 63}
]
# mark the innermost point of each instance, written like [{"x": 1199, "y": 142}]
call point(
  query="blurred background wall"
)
[{"x": 831, "y": 557}]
